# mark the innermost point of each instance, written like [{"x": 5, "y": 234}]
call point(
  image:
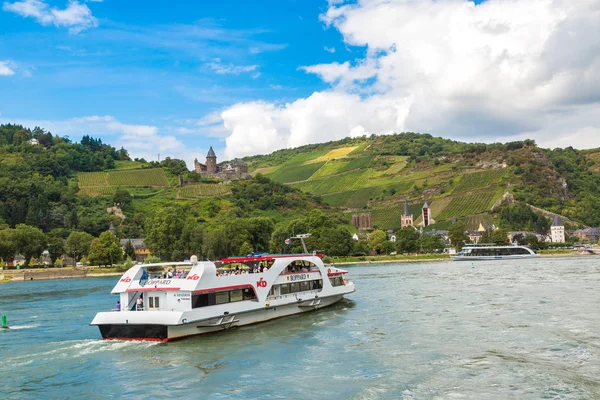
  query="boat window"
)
[
  {"x": 337, "y": 281},
  {"x": 156, "y": 302},
  {"x": 299, "y": 266},
  {"x": 294, "y": 287},
  {"x": 317, "y": 284},
  {"x": 249, "y": 294},
  {"x": 222, "y": 297},
  {"x": 236, "y": 295},
  {"x": 304, "y": 286},
  {"x": 284, "y": 289},
  {"x": 151, "y": 302}
]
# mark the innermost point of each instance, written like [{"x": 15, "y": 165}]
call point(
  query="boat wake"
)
[{"x": 17, "y": 327}]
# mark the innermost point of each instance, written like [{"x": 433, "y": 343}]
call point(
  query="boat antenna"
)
[{"x": 302, "y": 237}]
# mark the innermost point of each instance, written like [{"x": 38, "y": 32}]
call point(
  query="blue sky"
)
[{"x": 181, "y": 76}]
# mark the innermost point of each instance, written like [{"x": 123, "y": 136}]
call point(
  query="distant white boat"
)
[
  {"x": 493, "y": 252},
  {"x": 205, "y": 301}
]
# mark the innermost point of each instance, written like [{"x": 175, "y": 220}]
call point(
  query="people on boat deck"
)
[
  {"x": 139, "y": 304},
  {"x": 118, "y": 306}
]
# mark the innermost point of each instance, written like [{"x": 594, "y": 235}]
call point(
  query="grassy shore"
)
[{"x": 388, "y": 258}]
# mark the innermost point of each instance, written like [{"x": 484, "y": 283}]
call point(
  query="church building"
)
[{"x": 406, "y": 219}]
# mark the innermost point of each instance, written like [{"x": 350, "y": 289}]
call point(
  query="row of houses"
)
[{"x": 141, "y": 252}]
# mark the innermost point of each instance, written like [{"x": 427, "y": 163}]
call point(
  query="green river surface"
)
[{"x": 509, "y": 329}]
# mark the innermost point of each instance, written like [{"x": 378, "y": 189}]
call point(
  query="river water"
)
[{"x": 445, "y": 330}]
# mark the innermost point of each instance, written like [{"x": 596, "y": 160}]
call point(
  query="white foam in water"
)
[{"x": 24, "y": 326}]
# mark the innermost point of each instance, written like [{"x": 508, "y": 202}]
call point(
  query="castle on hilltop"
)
[{"x": 236, "y": 169}]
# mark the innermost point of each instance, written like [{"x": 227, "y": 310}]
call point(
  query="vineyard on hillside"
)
[
  {"x": 479, "y": 180},
  {"x": 468, "y": 203},
  {"x": 202, "y": 191},
  {"x": 337, "y": 199},
  {"x": 94, "y": 191},
  {"x": 154, "y": 177},
  {"x": 106, "y": 183},
  {"x": 360, "y": 198},
  {"x": 97, "y": 179},
  {"x": 295, "y": 173}
]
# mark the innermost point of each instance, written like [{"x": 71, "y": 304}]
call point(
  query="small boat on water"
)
[
  {"x": 217, "y": 296},
  {"x": 493, "y": 252}
]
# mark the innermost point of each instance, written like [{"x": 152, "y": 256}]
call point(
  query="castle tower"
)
[
  {"x": 211, "y": 162},
  {"x": 426, "y": 215},
  {"x": 406, "y": 219},
  {"x": 557, "y": 231}
]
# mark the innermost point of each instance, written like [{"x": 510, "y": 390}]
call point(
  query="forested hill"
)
[
  {"x": 463, "y": 180},
  {"x": 63, "y": 197},
  {"x": 37, "y": 185}
]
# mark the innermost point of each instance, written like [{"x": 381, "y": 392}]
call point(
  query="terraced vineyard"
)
[
  {"x": 387, "y": 218},
  {"x": 338, "y": 199},
  {"x": 202, "y": 191},
  {"x": 467, "y": 204},
  {"x": 295, "y": 173},
  {"x": 94, "y": 191},
  {"x": 360, "y": 198},
  {"x": 98, "y": 179},
  {"x": 106, "y": 183},
  {"x": 154, "y": 177},
  {"x": 479, "y": 180}
]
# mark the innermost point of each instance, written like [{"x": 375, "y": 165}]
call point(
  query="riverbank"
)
[
  {"x": 435, "y": 257},
  {"x": 96, "y": 272}
]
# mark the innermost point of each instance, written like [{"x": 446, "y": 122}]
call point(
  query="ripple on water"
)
[{"x": 411, "y": 331}]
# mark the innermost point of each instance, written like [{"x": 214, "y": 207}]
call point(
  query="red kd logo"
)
[
  {"x": 193, "y": 277},
  {"x": 126, "y": 279},
  {"x": 261, "y": 283}
]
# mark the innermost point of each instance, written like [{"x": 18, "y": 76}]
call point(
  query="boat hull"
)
[
  {"x": 480, "y": 258},
  {"x": 161, "y": 332}
]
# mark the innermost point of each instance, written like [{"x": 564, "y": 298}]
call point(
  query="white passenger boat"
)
[
  {"x": 493, "y": 252},
  {"x": 205, "y": 301}
]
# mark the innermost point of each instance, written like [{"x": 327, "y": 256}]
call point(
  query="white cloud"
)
[
  {"x": 231, "y": 69},
  {"x": 75, "y": 16},
  {"x": 7, "y": 67},
  {"x": 329, "y": 49},
  {"x": 499, "y": 70}
]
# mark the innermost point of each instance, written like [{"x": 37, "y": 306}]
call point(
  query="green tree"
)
[
  {"x": 388, "y": 247},
  {"x": 129, "y": 250},
  {"x": 376, "y": 240},
  {"x": 122, "y": 198},
  {"x": 407, "y": 240},
  {"x": 163, "y": 231},
  {"x": 430, "y": 243},
  {"x": 106, "y": 250},
  {"x": 246, "y": 248},
  {"x": 56, "y": 247},
  {"x": 192, "y": 238},
  {"x": 500, "y": 237},
  {"x": 78, "y": 245},
  {"x": 457, "y": 236},
  {"x": 30, "y": 241},
  {"x": 334, "y": 241},
  {"x": 8, "y": 247}
]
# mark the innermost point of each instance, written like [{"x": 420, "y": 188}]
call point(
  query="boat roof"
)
[{"x": 267, "y": 257}]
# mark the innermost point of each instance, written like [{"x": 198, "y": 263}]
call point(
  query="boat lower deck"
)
[{"x": 165, "y": 333}]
